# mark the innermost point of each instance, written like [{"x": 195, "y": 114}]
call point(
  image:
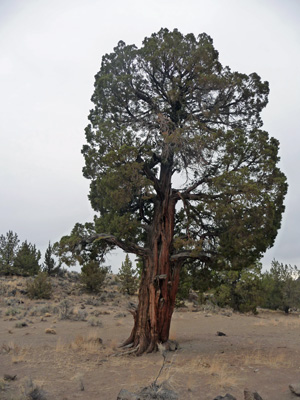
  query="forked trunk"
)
[{"x": 159, "y": 281}]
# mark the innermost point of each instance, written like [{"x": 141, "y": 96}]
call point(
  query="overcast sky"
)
[{"x": 50, "y": 51}]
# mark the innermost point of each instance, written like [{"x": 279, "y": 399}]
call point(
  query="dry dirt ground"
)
[{"x": 66, "y": 348}]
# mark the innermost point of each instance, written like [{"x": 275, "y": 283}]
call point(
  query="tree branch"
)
[
  {"x": 149, "y": 173},
  {"x": 189, "y": 254},
  {"x": 127, "y": 247}
]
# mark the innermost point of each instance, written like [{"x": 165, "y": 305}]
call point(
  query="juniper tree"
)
[
  {"x": 180, "y": 168},
  {"x": 27, "y": 259},
  {"x": 127, "y": 277},
  {"x": 49, "y": 265},
  {"x": 9, "y": 245}
]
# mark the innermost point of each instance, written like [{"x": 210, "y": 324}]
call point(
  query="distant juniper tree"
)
[
  {"x": 93, "y": 275},
  {"x": 240, "y": 289},
  {"x": 127, "y": 277},
  {"x": 26, "y": 262},
  {"x": 9, "y": 245},
  {"x": 50, "y": 266},
  {"x": 281, "y": 287}
]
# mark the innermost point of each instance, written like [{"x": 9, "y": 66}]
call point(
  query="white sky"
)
[{"x": 50, "y": 51}]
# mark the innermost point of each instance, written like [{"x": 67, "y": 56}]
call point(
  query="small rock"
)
[
  {"x": 120, "y": 315},
  {"x": 251, "y": 395},
  {"x": 226, "y": 397},
  {"x": 171, "y": 345},
  {"x": 226, "y": 314},
  {"x": 8, "y": 377},
  {"x": 295, "y": 388},
  {"x": 221, "y": 334}
]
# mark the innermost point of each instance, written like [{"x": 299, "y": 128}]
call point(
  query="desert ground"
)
[{"x": 67, "y": 348}]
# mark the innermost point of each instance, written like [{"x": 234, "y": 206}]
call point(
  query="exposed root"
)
[
  {"x": 126, "y": 346},
  {"x": 124, "y": 353}
]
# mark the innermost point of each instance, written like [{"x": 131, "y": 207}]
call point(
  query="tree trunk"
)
[{"x": 160, "y": 279}]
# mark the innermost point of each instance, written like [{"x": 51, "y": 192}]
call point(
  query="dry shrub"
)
[
  {"x": 65, "y": 309},
  {"x": 217, "y": 371},
  {"x": 78, "y": 314},
  {"x": 41, "y": 310},
  {"x": 90, "y": 343},
  {"x": 95, "y": 322},
  {"x": 33, "y": 392},
  {"x": 40, "y": 287},
  {"x": 12, "y": 311},
  {"x": 18, "y": 353}
]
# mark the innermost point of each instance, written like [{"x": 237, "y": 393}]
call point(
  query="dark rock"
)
[
  {"x": 120, "y": 315},
  {"x": 221, "y": 334},
  {"x": 8, "y": 377},
  {"x": 295, "y": 388},
  {"x": 251, "y": 395},
  {"x": 171, "y": 345},
  {"x": 226, "y": 397},
  {"x": 131, "y": 305}
]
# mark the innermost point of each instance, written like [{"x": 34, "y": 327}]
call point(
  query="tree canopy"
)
[{"x": 170, "y": 105}]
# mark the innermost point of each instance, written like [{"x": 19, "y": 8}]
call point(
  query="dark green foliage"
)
[
  {"x": 171, "y": 104},
  {"x": 77, "y": 248},
  {"x": 185, "y": 285},
  {"x": 93, "y": 275},
  {"x": 281, "y": 287},
  {"x": 127, "y": 277},
  {"x": 9, "y": 245},
  {"x": 240, "y": 289},
  {"x": 49, "y": 265},
  {"x": 40, "y": 287},
  {"x": 26, "y": 262}
]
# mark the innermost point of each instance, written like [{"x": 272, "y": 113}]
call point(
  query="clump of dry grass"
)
[
  {"x": 50, "y": 331},
  {"x": 43, "y": 310},
  {"x": 18, "y": 354},
  {"x": 268, "y": 358},
  {"x": 217, "y": 372},
  {"x": 90, "y": 343}
]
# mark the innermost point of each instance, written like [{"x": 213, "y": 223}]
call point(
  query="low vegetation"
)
[{"x": 40, "y": 287}]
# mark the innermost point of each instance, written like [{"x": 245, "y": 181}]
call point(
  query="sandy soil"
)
[{"x": 260, "y": 352}]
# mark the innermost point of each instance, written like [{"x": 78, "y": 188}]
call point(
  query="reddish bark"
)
[{"x": 160, "y": 277}]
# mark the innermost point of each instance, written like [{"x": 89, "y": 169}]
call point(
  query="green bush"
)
[
  {"x": 93, "y": 275},
  {"x": 40, "y": 287}
]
